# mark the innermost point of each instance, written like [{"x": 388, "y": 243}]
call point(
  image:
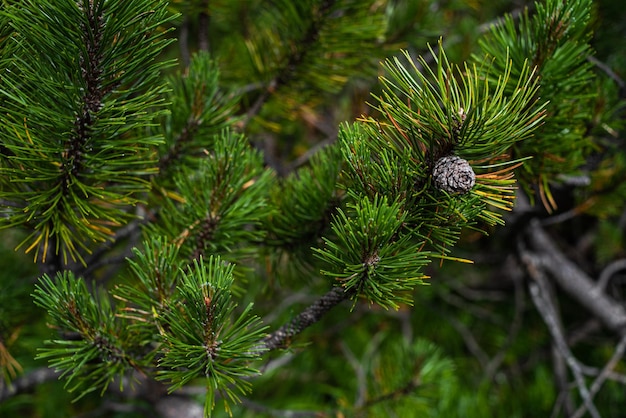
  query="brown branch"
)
[{"x": 282, "y": 336}]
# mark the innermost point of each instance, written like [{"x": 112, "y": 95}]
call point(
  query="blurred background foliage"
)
[{"x": 472, "y": 344}]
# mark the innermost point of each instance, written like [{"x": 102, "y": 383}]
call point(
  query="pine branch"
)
[
  {"x": 104, "y": 348},
  {"x": 79, "y": 90},
  {"x": 220, "y": 203},
  {"x": 203, "y": 337},
  {"x": 85, "y": 126},
  {"x": 288, "y": 71},
  {"x": 372, "y": 254},
  {"x": 199, "y": 110},
  {"x": 281, "y": 338},
  {"x": 318, "y": 46},
  {"x": 91, "y": 69},
  {"x": 443, "y": 113},
  {"x": 410, "y": 192}
]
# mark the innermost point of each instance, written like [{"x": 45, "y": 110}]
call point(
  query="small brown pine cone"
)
[{"x": 454, "y": 175}]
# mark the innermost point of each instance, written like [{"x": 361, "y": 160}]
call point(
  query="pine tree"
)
[{"x": 171, "y": 209}]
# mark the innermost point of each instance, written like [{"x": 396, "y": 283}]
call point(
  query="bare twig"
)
[
  {"x": 359, "y": 371},
  {"x": 575, "y": 282},
  {"x": 602, "y": 377},
  {"x": 564, "y": 400},
  {"x": 583, "y": 331},
  {"x": 470, "y": 341},
  {"x": 608, "y": 273},
  {"x": 607, "y": 70},
  {"x": 358, "y": 366},
  {"x": 277, "y": 363},
  {"x": 610, "y": 375},
  {"x": 549, "y": 315},
  {"x": 544, "y": 300},
  {"x": 561, "y": 217}
]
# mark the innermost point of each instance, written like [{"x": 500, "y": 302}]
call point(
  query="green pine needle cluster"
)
[
  {"x": 95, "y": 350},
  {"x": 555, "y": 41},
  {"x": 297, "y": 51},
  {"x": 79, "y": 87},
  {"x": 198, "y": 110},
  {"x": 200, "y": 338},
  {"x": 220, "y": 204},
  {"x": 304, "y": 199},
  {"x": 467, "y": 111},
  {"x": 372, "y": 255},
  {"x": 181, "y": 321}
]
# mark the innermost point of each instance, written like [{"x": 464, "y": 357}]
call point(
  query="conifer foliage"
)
[
  {"x": 165, "y": 226},
  {"x": 80, "y": 88}
]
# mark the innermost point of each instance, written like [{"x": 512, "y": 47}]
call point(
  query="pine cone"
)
[{"x": 453, "y": 174}]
